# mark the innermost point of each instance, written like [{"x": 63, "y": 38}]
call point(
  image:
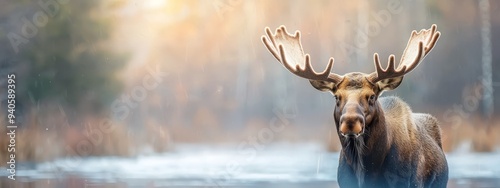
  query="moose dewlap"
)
[{"x": 384, "y": 144}]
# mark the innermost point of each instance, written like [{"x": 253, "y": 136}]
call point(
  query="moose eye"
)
[{"x": 372, "y": 97}]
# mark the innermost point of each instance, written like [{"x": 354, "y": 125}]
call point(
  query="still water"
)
[{"x": 277, "y": 165}]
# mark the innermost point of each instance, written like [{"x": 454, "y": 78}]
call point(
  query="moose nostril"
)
[
  {"x": 351, "y": 119},
  {"x": 351, "y": 125}
]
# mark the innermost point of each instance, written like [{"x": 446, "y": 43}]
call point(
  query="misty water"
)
[{"x": 276, "y": 165}]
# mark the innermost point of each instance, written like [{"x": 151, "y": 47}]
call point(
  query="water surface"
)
[{"x": 277, "y": 165}]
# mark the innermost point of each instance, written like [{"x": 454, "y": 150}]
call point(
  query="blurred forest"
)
[{"x": 125, "y": 77}]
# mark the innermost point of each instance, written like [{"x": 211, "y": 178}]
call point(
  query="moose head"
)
[{"x": 356, "y": 93}]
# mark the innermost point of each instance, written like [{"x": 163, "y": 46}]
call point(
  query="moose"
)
[{"x": 384, "y": 144}]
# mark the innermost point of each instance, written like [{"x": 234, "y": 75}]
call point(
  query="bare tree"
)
[{"x": 486, "y": 58}]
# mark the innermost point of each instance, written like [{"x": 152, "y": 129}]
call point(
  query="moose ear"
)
[
  {"x": 389, "y": 83},
  {"x": 323, "y": 85}
]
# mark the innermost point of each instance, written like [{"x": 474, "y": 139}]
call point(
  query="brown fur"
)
[
  {"x": 420, "y": 132},
  {"x": 378, "y": 137},
  {"x": 389, "y": 122}
]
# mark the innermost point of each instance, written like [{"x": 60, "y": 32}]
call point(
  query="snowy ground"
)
[{"x": 278, "y": 165}]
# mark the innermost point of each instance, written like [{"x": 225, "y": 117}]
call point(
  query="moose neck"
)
[
  {"x": 367, "y": 152},
  {"x": 377, "y": 141}
]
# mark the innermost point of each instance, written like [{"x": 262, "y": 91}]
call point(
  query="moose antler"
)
[
  {"x": 419, "y": 45},
  {"x": 287, "y": 49}
]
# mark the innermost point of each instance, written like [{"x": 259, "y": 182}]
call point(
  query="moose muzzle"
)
[{"x": 352, "y": 121}]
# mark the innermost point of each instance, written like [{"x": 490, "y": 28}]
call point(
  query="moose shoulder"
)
[{"x": 384, "y": 144}]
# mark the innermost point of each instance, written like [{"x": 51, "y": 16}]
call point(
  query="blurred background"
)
[{"x": 124, "y": 93}]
